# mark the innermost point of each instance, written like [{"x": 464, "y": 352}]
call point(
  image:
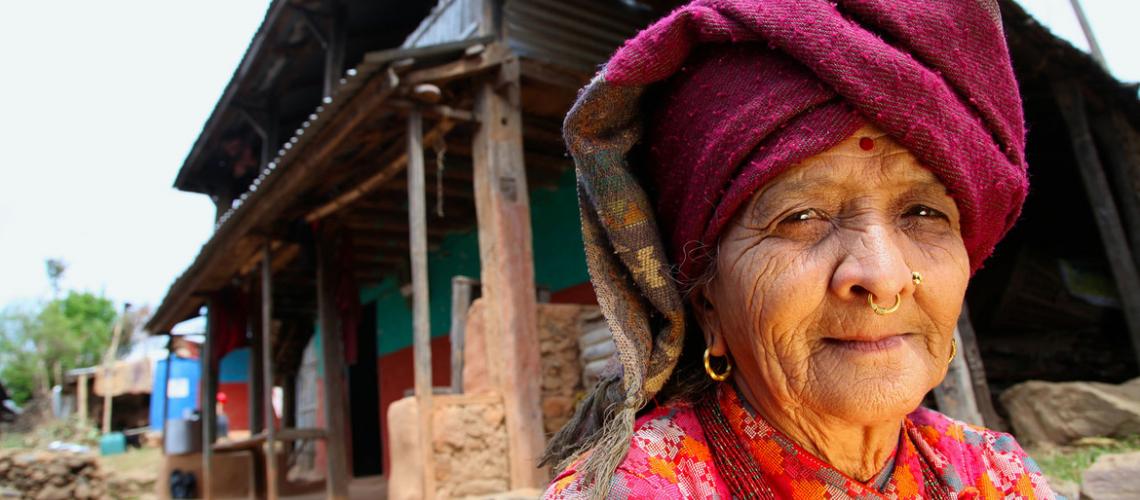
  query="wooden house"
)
[{"x": 374, "y": 164}]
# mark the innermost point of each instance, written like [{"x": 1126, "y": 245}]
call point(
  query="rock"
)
[
  {"x": 53, "y": 492},
  {"x": 1071, "y": 490},
  {"x": 1114, "y": 476},
  {"x": 1046, "y": 413}
]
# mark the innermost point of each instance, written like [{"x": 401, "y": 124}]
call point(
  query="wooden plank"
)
[
  {"x": 503, "y": 211},
  {"x": 266, "y": 335},
  {"x": 332, "y": 353},
  {"x": 421, "y": 319},
  {"x": 301, "y": 434},
  {"x": 461, "y": 296},
  {"x": 969, "y": 351},
  {"x": 1120, "y": 257},
  {"x": 208, "y": 397}
]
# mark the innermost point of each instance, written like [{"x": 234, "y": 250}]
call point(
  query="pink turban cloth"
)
[{"x": 752, "y": 87}]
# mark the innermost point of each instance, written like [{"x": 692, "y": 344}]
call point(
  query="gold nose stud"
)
[{"x": 916, "y": 278}]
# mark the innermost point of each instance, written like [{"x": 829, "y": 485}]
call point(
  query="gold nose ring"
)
[{"x": 880, "y": 310}]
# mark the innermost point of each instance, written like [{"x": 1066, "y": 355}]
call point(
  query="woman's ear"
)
[{"x": 704, "y": 310}]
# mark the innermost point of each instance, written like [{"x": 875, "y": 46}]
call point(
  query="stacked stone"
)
[
  {"x": 470, "y": 447},
  {"x": 43, "y": 475}
]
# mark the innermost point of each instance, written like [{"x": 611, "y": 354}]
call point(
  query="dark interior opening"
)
[{"x": 364, "y": 398}]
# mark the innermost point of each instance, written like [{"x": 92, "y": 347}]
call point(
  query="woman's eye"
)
[
  {"x": 924, "y": 211},
  {"x": 803, "y": 216}
]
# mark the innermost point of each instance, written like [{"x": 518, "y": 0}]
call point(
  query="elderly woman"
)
[{"x": 783, "y": 202}]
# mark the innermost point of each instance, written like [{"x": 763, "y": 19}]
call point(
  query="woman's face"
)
[{"x": 788, "y": 301}]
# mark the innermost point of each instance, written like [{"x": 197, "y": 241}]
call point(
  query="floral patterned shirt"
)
[{"x": 669, "y": 457}]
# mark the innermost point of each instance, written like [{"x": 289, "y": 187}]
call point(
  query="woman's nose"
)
[{"x": 872, "y": 262}]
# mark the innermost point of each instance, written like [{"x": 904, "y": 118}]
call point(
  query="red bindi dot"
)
[{"x": 867, "y": 143}]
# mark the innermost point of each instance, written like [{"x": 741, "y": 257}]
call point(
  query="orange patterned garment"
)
[{"x": 672, "y": 456}]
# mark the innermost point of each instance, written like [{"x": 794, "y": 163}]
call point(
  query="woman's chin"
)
[{"x": 870, "y": 384}]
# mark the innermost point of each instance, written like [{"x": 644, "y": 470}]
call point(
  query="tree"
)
[{"x": 39, "y": 344}]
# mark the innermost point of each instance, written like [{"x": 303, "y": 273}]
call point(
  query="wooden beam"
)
[
  {"x": 332, "y": 353},
  {"x": 1070, "y": 99},
  {"x": 503, "y": 211},
  {"x": 491, "y": 56},
  {"x": 266, "y": 334},
  {"x": 421, "y": 319},
  {"x": 390, "y": 170}
]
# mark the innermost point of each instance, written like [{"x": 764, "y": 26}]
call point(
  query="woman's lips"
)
[{"x": 867, "y": 345}]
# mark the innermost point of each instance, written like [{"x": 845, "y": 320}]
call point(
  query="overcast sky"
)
[{"x": 104, "y": 99}]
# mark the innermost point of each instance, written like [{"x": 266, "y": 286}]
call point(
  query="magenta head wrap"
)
[
  {"x": 754, "y": 86},
  {"x": 723, "y": 95}
]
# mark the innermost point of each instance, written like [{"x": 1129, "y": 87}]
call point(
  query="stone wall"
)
[
  {"x": 559, "y": 328},
  {"x": 469, "y": 447},
  {"x": 50, "y": 475}
]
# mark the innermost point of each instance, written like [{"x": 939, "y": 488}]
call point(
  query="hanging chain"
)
[{"x": 440, "y": 147}]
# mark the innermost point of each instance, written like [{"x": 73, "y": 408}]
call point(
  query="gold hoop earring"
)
[
  {"x": 880, "y": 310},
  {"x": 916, "y": 278},
  {"x": 953, "y": 350},
  {"x": 719, "y": 377}
]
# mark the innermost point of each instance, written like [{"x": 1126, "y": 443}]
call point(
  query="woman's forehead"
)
[{"x": 868, "y": 159}]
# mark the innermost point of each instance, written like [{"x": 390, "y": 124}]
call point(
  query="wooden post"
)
[
  {"x": 289, "y": 408},
  {"x": 166, "y": 389},
  {"x": 1123, "y": 161},
  {"x": 461, "y": 293},
  {"x": 108, "y": 371},
  {"x": 266, "y": 335},
  {"x": 337, "y": 41},
  {"x": 421, "y": 319},
  {"x": 1072, "y": 103},
  {"x": 502, "y": 206},
  {"x": 256, "y": 370},
  {"x": 955, "y": 395},
  {"x": 972, "y": 355},
  {"x": 332, "y": 353},
  {"x": 209, "y": 398},
  {"x": 81, "y": 395}
]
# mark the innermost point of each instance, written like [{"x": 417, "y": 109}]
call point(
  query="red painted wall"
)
[
  {"x": 237, "y": 404},
  {"x": 396, "y": 374}
]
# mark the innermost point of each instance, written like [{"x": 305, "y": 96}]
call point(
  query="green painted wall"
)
[{"x": 560, "y": 262}]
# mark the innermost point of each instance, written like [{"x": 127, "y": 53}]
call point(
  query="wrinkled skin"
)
[{"x": 788, "y": 301}]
